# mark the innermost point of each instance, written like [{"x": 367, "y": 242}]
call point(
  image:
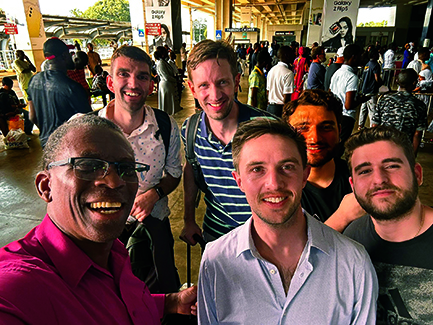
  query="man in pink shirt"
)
[{"x": 71, "y": 269}]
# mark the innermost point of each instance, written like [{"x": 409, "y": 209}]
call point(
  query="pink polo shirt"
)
[{"x": 46, "y": 279}]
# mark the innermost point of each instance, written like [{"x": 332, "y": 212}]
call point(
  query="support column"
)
[
  {"x": 427, "y": 30},
  {"x": 402, "y": 20},
  {"x": 31, "y": 32}
]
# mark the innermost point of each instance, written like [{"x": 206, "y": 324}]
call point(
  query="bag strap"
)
[
  {"x": 164, "y": 128},
  {"x": 190, "y": 136}
]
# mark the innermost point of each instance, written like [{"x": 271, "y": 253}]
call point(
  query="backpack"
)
[{"x": 191, "y": 158}]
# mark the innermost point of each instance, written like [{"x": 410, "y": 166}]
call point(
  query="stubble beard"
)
[
  {"x": 394, "y": 211},
  {"x": 288, "y": 217}
]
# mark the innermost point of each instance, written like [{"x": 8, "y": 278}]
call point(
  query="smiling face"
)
[
  {"x": 131, "y": 82},
  {"x": 344, "y": 28},
  {"x": 74, "y": 205},
  {"x": 383, "y": 182},
  {"x": 272, "y": 177},
  {"x": 214, "y": 86},
  {"x": 320, "y": 130}
]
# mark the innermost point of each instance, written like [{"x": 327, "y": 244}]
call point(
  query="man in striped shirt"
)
[{"x": 213, "y": 80}]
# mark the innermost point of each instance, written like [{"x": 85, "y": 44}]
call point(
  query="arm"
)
[
  {"x": 287, "y": 98},
  {"x": 254, "y": 91},
  {"x": 183, "y": 302},
  {"x": 31, "y": 68},
  {"x": 416, "y": 141},
  {"x": 348, "y": 211},
  {"x": 351, "y": 103},
  {"x": 190, "y": 189},
  {"x": 32, "y": 113},
  {"x": 144, "y": 203}
]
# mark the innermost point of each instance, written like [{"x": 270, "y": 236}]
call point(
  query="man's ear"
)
[
  {"x": 237, "y": 82},
  {"x": 110, "y": 83},
  {"x": 191, "y": 86},
  {"x": 418, "y": 173},
  {"x": 43, "y": 186},
  {"x": 351, "y": 182},
  {"x": 305, "y": 175},
  {"x": 238, "y": 180}
]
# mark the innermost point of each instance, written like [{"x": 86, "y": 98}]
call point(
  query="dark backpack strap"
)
[
  {"x": 190, "y": 135},
  {"x": 164, "y": 128}
]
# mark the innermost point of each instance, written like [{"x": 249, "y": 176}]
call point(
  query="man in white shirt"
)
[
  {"x": 280, "y": 81},
  {"x": 270, "y": 270},
  {"x": 416, "y": 64},
  {"x": 389, "y": 65},
  {"x": 344, "y": 84},
  {"x": 131, "y": 81}
]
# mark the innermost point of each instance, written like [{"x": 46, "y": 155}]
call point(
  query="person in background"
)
[
  {"x": 10, "y": 106},
  {"x": 301, "y": 66},
  {"x": 316, "y": 73},
  {"x": 167, "y": 88},
  {"x": 183, "y": 57},
  {"x": 402, "y": 110},
  {"x": 53, "y": 96},
  {"x": 280, "y": 84},
  {"x": 94, "y": 58},
  {"x": 78, "y": 74},
  {"x": 389, "y": 65},
  {"x": 370, "y": 87},
  {"x": 333, "y": 67},
  {"x": 99, "y": 85},
  {"x": 24, "y": 69},
  {"x": 257, "y": 82}
]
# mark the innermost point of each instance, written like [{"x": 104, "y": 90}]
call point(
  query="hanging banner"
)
[
  {"x": 339, "y": 23},
  {"x": 159, "y": 11}
]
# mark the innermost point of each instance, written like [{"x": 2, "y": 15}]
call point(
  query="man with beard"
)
[
  {"x": 271, "y": 269},
  {"x": 213, "y": 80},
  {"x": 317, "y": 115},
  {"x": 53, "y": 96},
  {"x": 398, "y": 233},
  {"x": 71, "y": 269}
]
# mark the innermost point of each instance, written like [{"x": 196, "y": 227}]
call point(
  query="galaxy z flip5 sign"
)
[{"x": 339, "y": 23}]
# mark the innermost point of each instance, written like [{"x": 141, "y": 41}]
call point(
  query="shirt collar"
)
[
  {"x": 149, "y": 117},
  {"x": 283, "y": 64},
  {"x": 67, "y": 258},
  {"x": 315, "y": 235}
]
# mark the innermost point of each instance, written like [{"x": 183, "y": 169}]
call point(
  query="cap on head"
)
[{"x": 54, "y": 48}]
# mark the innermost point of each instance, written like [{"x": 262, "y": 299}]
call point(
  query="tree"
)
[{"x": 115, "y": 10}]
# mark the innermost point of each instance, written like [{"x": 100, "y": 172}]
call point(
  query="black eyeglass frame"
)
[{"x": 139, "y": 167}]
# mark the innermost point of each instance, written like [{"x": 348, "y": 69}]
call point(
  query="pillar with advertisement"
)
[
  {"x": 339, "y": 23},
  {"x": 30, "y": 36},
  {"x": 156, "y": 23}
]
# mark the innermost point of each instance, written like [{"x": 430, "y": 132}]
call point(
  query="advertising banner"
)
[
  {"x": 339, "y": 23},
  {"x": 159, "y": 12}
]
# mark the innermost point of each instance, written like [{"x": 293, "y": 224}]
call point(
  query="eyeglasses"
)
[{"x": 91, "y": 169}]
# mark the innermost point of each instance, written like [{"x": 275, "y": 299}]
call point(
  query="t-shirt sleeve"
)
[
  {"x": 422, "y": 121},
  {"x": 352, "y": 84},
  {"x": 255, "y": 80},
  {"x": 288, "y": 83}
]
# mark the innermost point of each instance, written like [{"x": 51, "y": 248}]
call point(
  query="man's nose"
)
[
  {"x": 380, "y": 176},
  {"x": 313, "y": 134},
  {"x": 214, "y": 92},
  {"x": 111, "y": 179},
  {"x": 274, "y": 179}
]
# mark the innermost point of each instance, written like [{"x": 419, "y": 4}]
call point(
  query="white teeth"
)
[
  {"x": 215, "y": 105},
  {"x": 132, "y": 94},
  {"x": 98, "y": 205},
  {"x": 274, "y": 199}
]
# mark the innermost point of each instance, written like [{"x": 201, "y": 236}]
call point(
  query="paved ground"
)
[{"x": 21, "y": 209}]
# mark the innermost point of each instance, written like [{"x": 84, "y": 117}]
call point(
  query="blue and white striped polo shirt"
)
[{"x": 226, "y": 205}]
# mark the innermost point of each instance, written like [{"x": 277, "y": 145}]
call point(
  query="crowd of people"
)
[{"x": 285, "y": 179}]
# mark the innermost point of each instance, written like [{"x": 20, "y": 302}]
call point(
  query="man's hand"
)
[
  {"x": 190, "y": 228},
  {"x": 348, "y": 211},
  {"x": 183, "y": 302},
  {"x": 143, "y": 204}
]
